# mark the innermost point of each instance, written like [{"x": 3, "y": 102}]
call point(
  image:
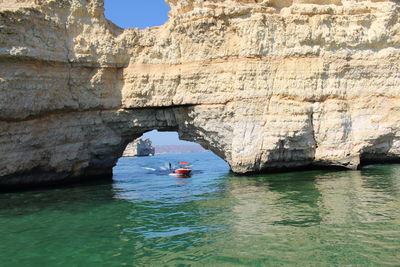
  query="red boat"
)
[{"x": 182, "y": 170}]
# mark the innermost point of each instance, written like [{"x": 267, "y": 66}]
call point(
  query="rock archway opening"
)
[
  {"x": 136, "y": 14},
  {"x": 159, "y": 152},
  {"x": 157, "y": 142}
]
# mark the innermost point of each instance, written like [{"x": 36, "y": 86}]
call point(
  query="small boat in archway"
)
[{"x": 182, "y": 171}]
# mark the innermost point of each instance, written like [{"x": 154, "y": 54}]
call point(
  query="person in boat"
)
[
  {"x": 170, "y": 166},
  {"x": 183, "y": 170}
]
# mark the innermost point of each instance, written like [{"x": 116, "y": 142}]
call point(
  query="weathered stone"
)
[{"x": 265, "y": 84}]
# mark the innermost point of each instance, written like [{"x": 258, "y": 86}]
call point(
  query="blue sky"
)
[
  {"x": 165, "y": 138},
  {"x": 142, "y": 14},
  {"x": 136, "y": 13}
]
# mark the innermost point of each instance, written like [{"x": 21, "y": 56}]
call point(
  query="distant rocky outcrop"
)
[
  {"x": 264, "y": 84},
  {"x": 139, "y": 148}
]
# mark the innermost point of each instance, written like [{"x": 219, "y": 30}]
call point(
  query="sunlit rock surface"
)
[{"x": 264, "y": 84}]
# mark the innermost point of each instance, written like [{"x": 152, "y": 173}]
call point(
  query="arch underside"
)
[{"x": 79, "y": 146}]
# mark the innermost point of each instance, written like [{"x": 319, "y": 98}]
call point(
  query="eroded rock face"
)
[{"x": 265, "y": 84}]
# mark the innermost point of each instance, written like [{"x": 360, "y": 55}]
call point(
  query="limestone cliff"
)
[{"x": 265, "y": 84}]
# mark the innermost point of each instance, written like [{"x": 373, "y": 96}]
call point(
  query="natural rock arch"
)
[
  {"x": 263, "y": 85},
  {"x": 190, "y": 122}
]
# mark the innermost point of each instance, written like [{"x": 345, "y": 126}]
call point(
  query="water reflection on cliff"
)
[
  {"x": 312, "y": 198},
  {"x": 313, "y": 217},
  {"x": 286, "y": 199},
  {"x": 69, "y": 199},
  {"x": 359, "y": 196}
]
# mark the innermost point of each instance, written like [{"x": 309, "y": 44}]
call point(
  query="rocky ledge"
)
[{"x": 265, "y": 84}]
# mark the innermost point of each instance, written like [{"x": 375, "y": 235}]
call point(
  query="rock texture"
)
[
  {"x": 265, "y": 84},
  {"x": 139, "y": 148}
]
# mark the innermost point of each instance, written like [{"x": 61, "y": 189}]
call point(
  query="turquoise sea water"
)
[{"x": 147, "y": 218}]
